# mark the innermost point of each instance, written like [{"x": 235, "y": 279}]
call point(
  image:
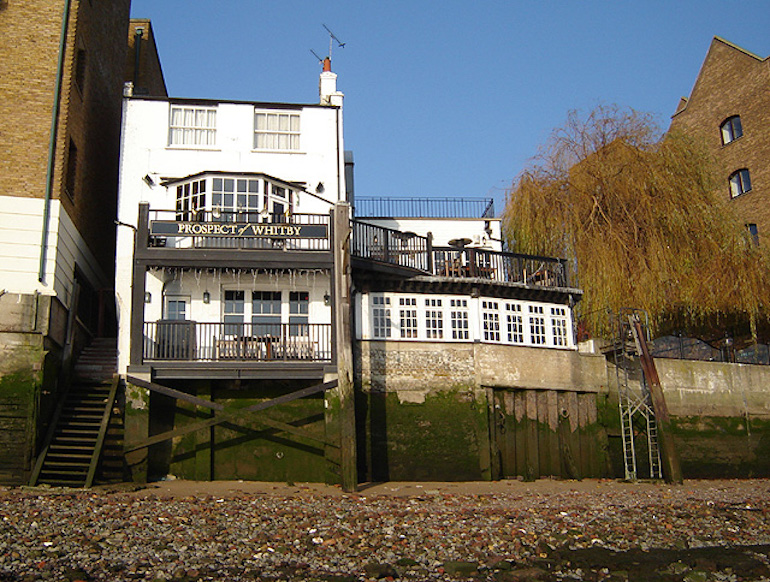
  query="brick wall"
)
[
  {"x": 89, "y": 116},
  {"x": 734, "y": 82}
]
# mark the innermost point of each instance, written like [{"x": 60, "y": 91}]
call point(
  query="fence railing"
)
[
  {"x": 382, "y": 244},
  {"x": 316, "y": 243},
  {"x": 500, "y": 267},
  {"x": 193, "y": 341},
  {"x": 367, "y": 207}
]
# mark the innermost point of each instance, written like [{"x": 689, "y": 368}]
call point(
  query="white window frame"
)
[
  {"x": 382, "y": 325},
  {"x": 276, "y": 130},
  {"x": 490, "y": 320},
  {"x": 434, "y": 318},
  {"x": 559, "y": 332},
  {"x": 459, "y": 319},
  {"x": 192, "y": 127}
]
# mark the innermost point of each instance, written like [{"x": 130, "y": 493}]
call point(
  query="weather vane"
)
[{"x": 332, "y": 38}]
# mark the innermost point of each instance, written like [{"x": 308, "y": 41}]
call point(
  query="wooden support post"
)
[
  {"x": 672, "y": 470},
  {"x": 341, "y": 313}
]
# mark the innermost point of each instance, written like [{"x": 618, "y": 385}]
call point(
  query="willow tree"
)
[{"x": 642, "y": 223}]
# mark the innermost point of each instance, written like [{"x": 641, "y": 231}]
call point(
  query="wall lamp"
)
[
  {"x": 148, "y": 180},
  {"x": 327, "y": 298},
  {"x": 206, "y": 297},
  {"x": 147, "y": 297}
]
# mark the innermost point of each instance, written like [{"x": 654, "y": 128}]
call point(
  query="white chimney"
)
[{"x": 327, "y": 86}]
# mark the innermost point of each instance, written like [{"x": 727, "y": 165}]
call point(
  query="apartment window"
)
[
  {"x": 754, "y": 233},
  {"x": 192, "y": 126},
  {"x": 233, "y": 315},
  {"x": 434, "y": 319},
  {"x": 740, "y": 182},
  {"x": 559, "y": 326},
  {"x": 515, "y": 323},
  {"x": 381, "y": 316},
  {"x": 408, "y": 316},
  {"x": 71, "y": 169},
  {"x": 299, "y": 303},
  {"x": 190, "y": 200},
  {"x": 536, "y": 325},
  {"x": 276, "y": 131},
  {"x": 176, "y": 308},
  {"x": 731, "y": 129},
  {"x": 490, "y": 320},
  {"x": 458, "y": 316},
  {"x": 266, "y": 313}
]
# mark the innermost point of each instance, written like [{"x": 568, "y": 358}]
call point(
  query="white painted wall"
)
[
  {"x": 145, "y": 152},
  {"x": 446, "y": 229},
  {"x": 21, "y": 226}
]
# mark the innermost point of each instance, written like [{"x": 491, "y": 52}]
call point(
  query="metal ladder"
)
[{"x": 637, "y": 413}]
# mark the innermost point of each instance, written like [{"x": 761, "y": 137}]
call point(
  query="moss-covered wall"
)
[
  {"x": 283, "y": 443},
  {"x": 29, "y": 388},
  {"x": 443, "y": 437}
]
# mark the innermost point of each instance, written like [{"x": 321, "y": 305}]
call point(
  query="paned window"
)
[
  {"x": 515, "y": 323},
  {"x": 490, "y": 320},
  {"x": 276, "y": 131},
  {"x": 381, "y": 316},
  {"x": 408, "y": 316},
  {"x": 458, "y": 316},
  {"x": 731, "y": 129},
  {"x": 740, "y": 182},
  {"x": 176, "y": 308},
  {"x": 235, "y": 199},
  {"x": 434, "y": 319},
  {"x": 559, "y": 326},
  {"x": 233, "y": 315},
  {"x": 299, "y": 303},
  {"x": 266, "y": 313},
  {"x": 536, "y": 325},
  {"x": 190, "y": 200},
  {"x": 192, "y": 126}
]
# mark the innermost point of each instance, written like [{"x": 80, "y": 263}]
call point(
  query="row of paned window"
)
[
  {"x": 434, "y": 318},
  {"x": 197, "y": 127},
  {"x": 264, "y": 310}
]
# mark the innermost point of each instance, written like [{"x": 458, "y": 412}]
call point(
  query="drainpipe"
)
[
  {"x": 137, "y": 53},
  {"x": 52, "y": 141}
]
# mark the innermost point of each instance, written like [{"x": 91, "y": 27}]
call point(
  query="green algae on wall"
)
[
  {"x": 19, "y": 416},
  {"x": 444, "y": 438},
  {"x": 722, "y": 447}
]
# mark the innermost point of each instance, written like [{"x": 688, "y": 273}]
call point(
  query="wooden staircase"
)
[{"x": 86, "y": 429}]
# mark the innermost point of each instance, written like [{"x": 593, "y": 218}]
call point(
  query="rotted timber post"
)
[{"x": 344, "y": 345}]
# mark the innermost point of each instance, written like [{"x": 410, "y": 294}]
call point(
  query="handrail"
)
[{"x": 102, "y": 431}]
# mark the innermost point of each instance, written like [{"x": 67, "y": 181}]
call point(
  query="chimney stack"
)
[{"x": 327, "y": 86}]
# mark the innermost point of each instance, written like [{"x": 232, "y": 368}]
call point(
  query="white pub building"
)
[{"x": 249, "y": 281}]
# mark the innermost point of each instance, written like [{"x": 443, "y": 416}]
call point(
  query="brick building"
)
[
  {"x": 61, "y": 81},
  {"x": 729, "y": 107}
]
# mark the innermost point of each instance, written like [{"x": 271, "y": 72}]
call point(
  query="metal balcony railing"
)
[
  {"x": 191, "y": 341},
  {"x": 366, "y": 207}
]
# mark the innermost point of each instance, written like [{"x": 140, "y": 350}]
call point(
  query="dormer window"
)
[
  {"x": 276, "y": 131},
  {"x": 731, "y": 129},
  {"x": 192, "y": 126},
  {"x": 740, "y": 182}
]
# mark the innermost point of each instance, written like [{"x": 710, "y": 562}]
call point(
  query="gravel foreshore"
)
[{"x": 506, "y": 531}]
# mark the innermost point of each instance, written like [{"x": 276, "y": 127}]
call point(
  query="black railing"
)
[
  {"x": 405, "y": 249},
  {"x": 366, "y": 207},
  {"x": 500, "y": 267},
  {"x": 209, "y": 342},
  {"x": 320, "y": 243}
]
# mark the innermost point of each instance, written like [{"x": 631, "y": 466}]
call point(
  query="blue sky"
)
[{"x": 449, "y": 98}]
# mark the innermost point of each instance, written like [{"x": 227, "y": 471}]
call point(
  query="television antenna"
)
[{"x": 332, "y": 38}]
